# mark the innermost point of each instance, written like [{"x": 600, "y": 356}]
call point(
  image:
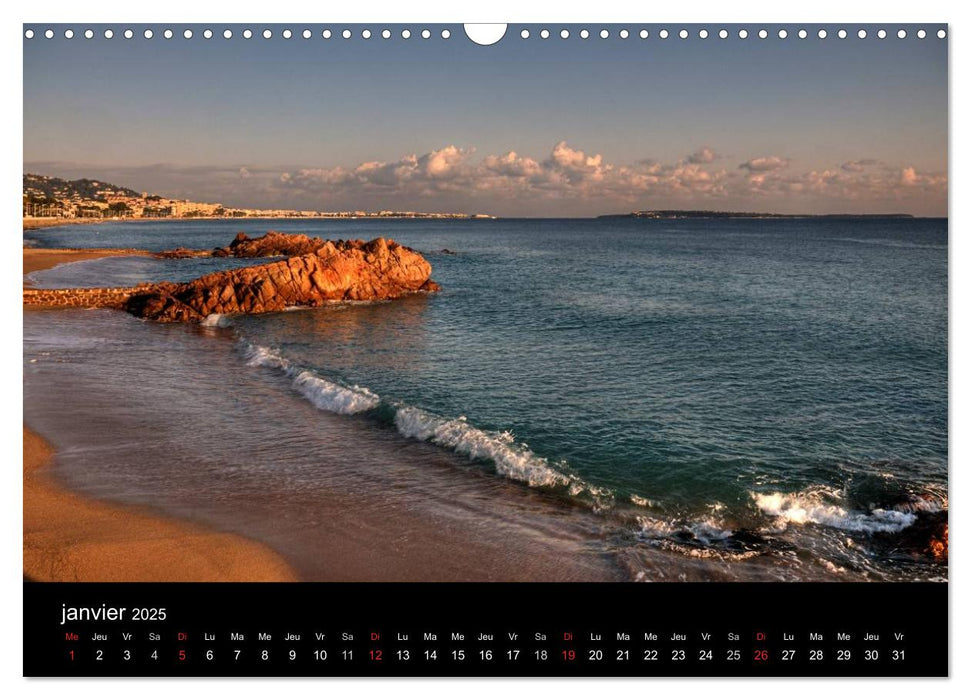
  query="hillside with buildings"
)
[{"x": 53, "y": 197}]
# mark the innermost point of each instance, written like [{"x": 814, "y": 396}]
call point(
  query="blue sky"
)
[{"x": 526, "y": 127}]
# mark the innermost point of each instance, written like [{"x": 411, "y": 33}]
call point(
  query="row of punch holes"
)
[{"x": 524, "y": 34}]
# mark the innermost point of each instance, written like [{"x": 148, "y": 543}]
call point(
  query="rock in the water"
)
[
  {"x": 180, "y": 253},
  {"x": 333, "y": 271},
  {"x": 273, "y": 244}
]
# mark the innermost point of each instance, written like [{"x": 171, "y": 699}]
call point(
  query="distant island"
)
[
  {"x": 56, "y": 198},
  {"x": 707, "y": 214}
]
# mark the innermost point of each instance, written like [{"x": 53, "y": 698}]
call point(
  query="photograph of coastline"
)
[{"x": 386, "y": 307}]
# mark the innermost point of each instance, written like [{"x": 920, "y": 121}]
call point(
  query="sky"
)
[{"x": 526, "y": 127}]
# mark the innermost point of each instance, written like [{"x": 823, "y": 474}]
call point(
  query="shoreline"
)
[
  {"x": 68, "y": 537},
  {"x": 36, "y": 259}
]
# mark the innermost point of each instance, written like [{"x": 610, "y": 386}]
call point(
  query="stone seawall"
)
[{"x": 96, "y": 298}]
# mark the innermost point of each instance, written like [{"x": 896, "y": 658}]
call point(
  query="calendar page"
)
[{"x": 485, "y": 350}]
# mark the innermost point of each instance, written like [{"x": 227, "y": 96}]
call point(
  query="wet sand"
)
[
  {"x": 70, "y": 538},
  {"x": 43, "y": 258}
]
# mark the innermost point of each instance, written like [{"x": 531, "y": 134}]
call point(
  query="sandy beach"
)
[
  {"x": 71, "y": 538},
  {"x": 42, "y": 258}
]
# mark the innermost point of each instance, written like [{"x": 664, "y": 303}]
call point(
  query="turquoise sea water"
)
[{"x": 752, "y": 398}]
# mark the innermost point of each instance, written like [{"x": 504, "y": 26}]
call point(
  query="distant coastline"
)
[
  {"x": 706, "y": 214},
  {"x": 46, "y": 197}
]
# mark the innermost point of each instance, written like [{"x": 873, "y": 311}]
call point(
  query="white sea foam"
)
[
  {"x": 216, "y": 321},
  {"x": 259, "y": 356},
  {"x": 335, "y": 398},
  {"x": 322, "y": 393},
  {"x": 513, "y": 461},
  {"x": 699, "y": 539},
  {"x": 810, "y": 507},
  {"x": 705, "y": 531}
]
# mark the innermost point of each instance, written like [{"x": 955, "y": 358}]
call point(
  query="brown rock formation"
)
[
  {"x": 333, "y": 271},
  {"x": 273, "y": 244},
  {"x": 180, "y": 252}
]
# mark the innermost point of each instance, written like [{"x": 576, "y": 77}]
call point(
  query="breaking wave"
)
[
  {"x": 322, "y": 393},
  {"x": 512, "y": 460},
  {"x": 216, "y": 321},
  {"x": 334, "y": 397},
  {"x": 822, "y": 507}
]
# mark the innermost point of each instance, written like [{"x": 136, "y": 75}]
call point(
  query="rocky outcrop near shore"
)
[
  {"x": 181, "y": 253},
  {"x": 332, "y": 271},
  {"x": 273, "y": 244}
]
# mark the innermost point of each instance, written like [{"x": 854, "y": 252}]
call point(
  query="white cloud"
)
[
  {"x": 568, "y": 181},
  {"x": 764, "y": 164}
]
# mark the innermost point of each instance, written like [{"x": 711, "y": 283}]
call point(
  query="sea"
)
[{"x": 586, "y": 399}]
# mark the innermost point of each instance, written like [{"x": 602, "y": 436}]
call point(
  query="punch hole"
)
[
  {"x": 207, "y": 34},
  {"x": 68, "y": 33},
  {"x": 109, "y": 34},
  {"x": 29, "y": 34},
  {"x": 187, "y": 34},
  {"x": 624, "y": 33},
  {"x": 941, "y": 34},
  {"x": 487, "y": 34}
]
